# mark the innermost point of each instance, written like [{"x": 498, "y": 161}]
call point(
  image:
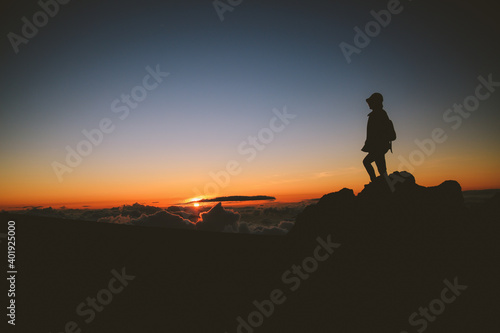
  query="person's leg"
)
[
  {"x": 367, "y": 162},
  {"x": 380, "y": 162}
]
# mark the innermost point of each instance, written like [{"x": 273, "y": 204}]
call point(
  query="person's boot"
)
[{"x": 372, "y": 175}]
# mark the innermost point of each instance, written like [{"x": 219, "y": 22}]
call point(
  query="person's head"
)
[{"x": 375, "y": 101}]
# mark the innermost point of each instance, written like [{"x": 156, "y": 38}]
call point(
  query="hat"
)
[{"x": 375, "y": 97}]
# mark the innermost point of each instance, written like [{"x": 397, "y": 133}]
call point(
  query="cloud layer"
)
[{"x": 260, "y": 220}]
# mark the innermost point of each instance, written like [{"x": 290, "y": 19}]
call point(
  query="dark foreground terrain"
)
[{"x": 395, "y": 258}]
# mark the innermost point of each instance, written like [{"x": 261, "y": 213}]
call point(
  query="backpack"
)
[{"x": 390, "y": 133}]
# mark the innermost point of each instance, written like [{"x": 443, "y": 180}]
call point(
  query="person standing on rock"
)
[{"x": 379, "y": 134}]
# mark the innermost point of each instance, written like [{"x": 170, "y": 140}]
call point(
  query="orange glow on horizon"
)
[
  {"x": 194, "y": 201},
  {"x": 306, "y": 183}
]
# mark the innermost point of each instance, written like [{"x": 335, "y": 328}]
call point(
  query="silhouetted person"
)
[{"x": 377, "y": 139}]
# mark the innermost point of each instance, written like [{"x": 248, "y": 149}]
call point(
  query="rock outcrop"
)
[{"x": 385, "y": 203}]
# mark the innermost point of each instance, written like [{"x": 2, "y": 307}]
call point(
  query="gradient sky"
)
[{"x": 225, "y": 78}]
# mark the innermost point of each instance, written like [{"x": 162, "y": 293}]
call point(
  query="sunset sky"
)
[{"x": 224, "y": 80}]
